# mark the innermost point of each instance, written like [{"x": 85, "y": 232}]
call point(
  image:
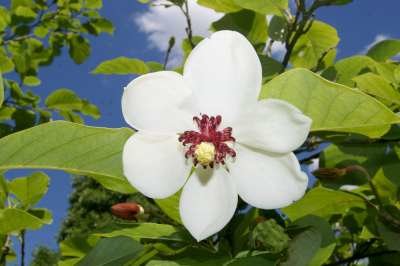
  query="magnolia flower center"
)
[{"x": 208, "y": 146}]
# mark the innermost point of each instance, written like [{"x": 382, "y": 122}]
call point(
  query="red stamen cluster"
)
[{"x": 208, "y": 132}]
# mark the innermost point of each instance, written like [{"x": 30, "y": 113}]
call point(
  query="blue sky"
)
[{"x": 358, "y": 24}]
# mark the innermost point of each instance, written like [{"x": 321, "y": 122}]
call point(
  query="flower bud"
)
[
  {"x": 330, "y": 173},
  {"x": 127, "y": 210}
]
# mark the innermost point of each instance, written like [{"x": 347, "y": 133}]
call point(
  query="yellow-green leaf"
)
[
  {"x": 74, "y": 148},
  {"x": 332, "y": 107}
]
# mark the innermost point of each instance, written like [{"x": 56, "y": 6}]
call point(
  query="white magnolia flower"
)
[{"x": 241, "y": 146}]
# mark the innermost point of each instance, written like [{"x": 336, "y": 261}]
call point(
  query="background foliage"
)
[{"x": 350, "y": 214}]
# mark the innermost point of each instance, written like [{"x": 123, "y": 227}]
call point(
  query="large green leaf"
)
[
  {"x": 264, "y": 7},
  {"x": 332, "y": 107},
  {"x": 375, "y": 85},
  {"x": 346, "y": 69},
  {"x": 13, "y": 220},
  {"x": 30, "y": 189},
  {"x": 139, "y": 231},
  {"x": 313, "y": 44},
  {"x": 121, "y": 66},
  {"x": 112, "y": 251},
  {"x": 70, "y": 147},
  {"x": 323, "y": 202},
  {"x": 384, "y": 50},
  {"x": 247, "y": 22}
]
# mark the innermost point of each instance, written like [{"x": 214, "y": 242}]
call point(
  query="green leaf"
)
[
  {"x": 31, "y": 81},
  {"x": 384, "y": 50},
  {"x": 103, "y": 25},
  {"x": 251, "y": 261},
  {"x": 247, "y": 22},
  {"x": 14, "y": 220},
  {"x": 379, "y": 159},
  {"x": 346, "y": 69},
  {"x": 193, "y": 257},
  {"x": 327, "y": 238},
  {"x": 152, "y": 231},
  {"x": 270, "y": 67},
  {"x": 90, "y": 109},
  {"x": 64, "y": 99},
  {"x": 121, "y": 66},
  {"x": 6, "y": 112},
  {"x": 313, "y": 44},
  {"x": 3, "y": 191},
  {"x": 79, "y": 48},
  {"x": 223, "y": 6},
  {"x": 74, "y": 148},
  {"x": 30, "y": 189},
  {"x": 5, "y": 18},
  {"x": 377, "y": 86},
  {"x": 270, "y": 235},
  {"x": 94, "y": 4},
  {"x": 26, "y": 12},
  {"x": 302, "y": 248},
  {"x": 1, "y": 89},
  {"x": 277, "y": 29},
  {"x": 390, "y": 237},
  {"x": 112, "y": 251},
  {"x": 323, "y": 202},
  {"x": 241, "y": 229},
  {"x": 332, "y": 107},
  {"x": 170, "y": 206},
  {"x": 264, "y": 7}
]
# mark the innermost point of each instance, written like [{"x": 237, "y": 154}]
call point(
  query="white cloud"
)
[
  {"x": 161, "y": 23},
  {"x": 378, "y": 38}
]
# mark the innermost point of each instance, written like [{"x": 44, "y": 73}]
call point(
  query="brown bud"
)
[
  {"x": 330, "y": 173},
  {"x": 127, "y": 210}
]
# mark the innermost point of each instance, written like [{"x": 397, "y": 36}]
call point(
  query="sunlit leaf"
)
[
  {"x": 384, "y": 50},
  {"x": 323, "y": 202},
  {"x": 121, "y": 66},
  {"x": 346, "y": 69},
  {"x": 332, "y": 107},
  {"x": 264, "y": 6},
  {"x": 153, "y": 231},
  {"x": 247, "y": 22},
  {"x": 313, "y": 44},
  {"x": 74, "y": 148},
  {"x": 377, "y": 86},
  {"x": 224, "y": 6},
  {"x": 30, "y": 189},
  {"x": 14, "y": 220}
]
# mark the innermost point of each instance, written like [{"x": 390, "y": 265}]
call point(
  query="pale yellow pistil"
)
[{"x": 205, "y": 153}]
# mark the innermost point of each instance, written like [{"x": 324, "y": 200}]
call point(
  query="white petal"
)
[
  {"x": 208, "y": 201},
  {"x": 272, "y": 125},
  {"x": 267, "y": 181},
  {"x": 224, "y": 74},
  {"x": 152, "y": 103},
  {"x": 155, "y": 165}
]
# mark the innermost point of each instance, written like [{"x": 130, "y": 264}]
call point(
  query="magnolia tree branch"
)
[
  {"x": 188, "y": 29},
  {"x": 5, "y": 251},
  {"x": 171, "y": 44},
  {"x": 22, "y": 236},
  {"x": 298, "y": 26}
]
